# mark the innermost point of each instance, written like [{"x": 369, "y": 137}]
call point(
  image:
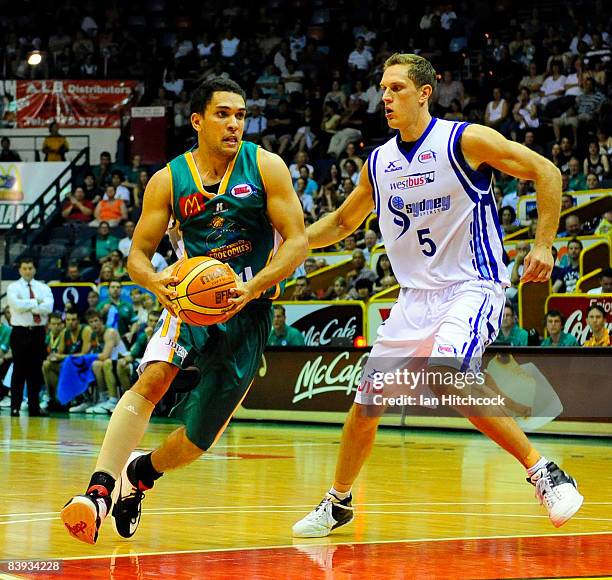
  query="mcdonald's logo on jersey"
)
[{"x": 192, "y": 205}]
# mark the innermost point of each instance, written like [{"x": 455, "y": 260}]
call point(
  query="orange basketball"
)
[{"x": 203, "y": 290}]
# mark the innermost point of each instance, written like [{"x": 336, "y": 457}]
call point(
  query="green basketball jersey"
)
[{"x": 231, "y": 226}]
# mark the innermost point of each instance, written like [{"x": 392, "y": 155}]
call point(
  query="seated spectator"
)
[
  {"x": 515, "y": 269},
  {"x": 158, "y": 262},
  {"x": 126, "y": 364},
  {"x": 92, "y": 192},
  {"x": 117, "y": 261},
  {"x": 362, "y": 290},
  {"x": 55, "y": 146},
  {"x": 529, "y": 141},
  {"x": 110, "y": 210},
  {"x": 310, "y": 265},
  {"x": 596, "y": 319},
  {"x": 351, "y": 124},
  {"x": 305, "y": 199},
  {"x": 570, "y": 274},
  {"x": 587, "y": 106},
  {"x": 134, "y": 169},
  {"x": 107, "y": 344},
  {"x": 523, "y": 187},
  {"x": 454, "y": 112},
  {"x": 77, "y": 208},
  {"x": 6, "y": 153},
  {"x": 93, "y": 299},
  {"x": 497, "y": 113},
  {"x": 283, "y": 334},
  {"x": 567, "y": 201},
  {"x": 330, "y": 123},
  {"x": 336, "y": 96},
  {"x": 350, "y": 154},
  {"x": 507, "y": 219},
  {"x": 525, "y": 112},
  {"x": 510, "y": 333},
  {"x": 117, "y": 313},
  {"x": 121, "y": 191},
  {"x": 553, "y": 86},
  {"x": 386, "y": 283},
  {"x": 327, "y": 200},
  {"x": 281, "y": 127},
  {"x": 350, "y": 243},
  {"x": 360, "y": 271},
  {"x": 267, "y": 81},
  {"x": 53, "y": 337},
  {"x": 556, "y": 336},
  {"x": 605, "y": 281},
  {"x": 312, "y": 187},
  {"x": 383, "y": 269},
  {"x": 302, "y": 289},
  {"x": 577, "y": 179},
  {"x": 573, "y": 227},
  {"x": 351, "y": 171},
  {"x": 346, "y": 187},
  {"x": 301, "y": 158},
  {"x": 125, "y": 243},
  {"x": 339, "y": 291},
  {"x": 370, "y": 239},
  {"x": 592, "y": 182},
  {"x": 73, "y": 274},
  {"x": 102, "y": 172},
  {"x": 604, "y": 227},
  {"x": 533, "y": 81},
  {"x": 255, "y": 125},
  {"x": 138, "y": 194},
  {"x": 447, "y": 91},
  {"x": 256, "y": 98},
  {"x": 595, "y": 162},
  {"x": 104, "y": 242}
]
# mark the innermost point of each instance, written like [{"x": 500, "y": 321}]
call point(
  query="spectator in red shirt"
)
[{"x": 76, "y": 208}]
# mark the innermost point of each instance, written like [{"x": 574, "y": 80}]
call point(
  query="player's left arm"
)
[
  {"x": 482, "y": 145},
  {"x": 287, "y": 218}
]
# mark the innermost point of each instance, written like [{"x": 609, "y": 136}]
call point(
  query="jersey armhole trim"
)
[
  {"x": 171, "y": 193},
  {"x": 478, "y": 179}
]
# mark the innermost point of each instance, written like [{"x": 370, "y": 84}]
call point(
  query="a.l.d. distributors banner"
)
[
  {"x": 574, "y": 309},
  {"x": 72, "y": 103},
  {"x": 325, "y": 323},
  {"x": 21, "y": 184}
]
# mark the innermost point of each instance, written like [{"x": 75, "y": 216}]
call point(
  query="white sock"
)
[
  {"x": 541, "y": 464},
  {"x": 340, "y": 494}
]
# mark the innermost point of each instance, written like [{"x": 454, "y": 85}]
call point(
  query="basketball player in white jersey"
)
[{"x": 431, "y": 187}]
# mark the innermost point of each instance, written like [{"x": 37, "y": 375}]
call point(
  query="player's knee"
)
[
  {"x": 155, "y": 381},
  {"x": 96, "y": 365},
  {"x": 364, "y": 418},
  {"x": 107, "y": 364}
]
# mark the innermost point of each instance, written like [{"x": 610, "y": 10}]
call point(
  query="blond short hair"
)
[{"x": 420, "y": 70}]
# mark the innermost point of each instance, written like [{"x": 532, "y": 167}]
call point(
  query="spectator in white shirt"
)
[
  {"x": 206, "y": 46},
  {"x": 126, "y": 243},
  {"x": 360, "y": 59},
  {"x": 172, "y": 84},
  {"x": 254, "y": 125},
  {"x": 30, "y": 303},
  {"x": 229, "y": 45},
  {"x": 605, "y": 279},
  {"x": 553, "y": 86},
  {"x": 293, "y": 78}
]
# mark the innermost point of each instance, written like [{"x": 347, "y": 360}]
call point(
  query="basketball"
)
[{"x": 203, "y": 290}]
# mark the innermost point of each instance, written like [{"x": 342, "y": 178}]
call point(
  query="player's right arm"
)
[
  {"x": 150, "y": 229},
  {"x": 347, "y": 218}
]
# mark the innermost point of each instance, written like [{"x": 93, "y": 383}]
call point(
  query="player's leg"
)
[
  {"x": 83, "y": 515},
  {"x": 226, "y": 371},
  {"x": 468, "y": 328}
]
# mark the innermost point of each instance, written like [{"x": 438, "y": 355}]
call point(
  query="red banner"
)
[
  {"x": 73, "y": 103},
  {"x": 574, "y": 310}
]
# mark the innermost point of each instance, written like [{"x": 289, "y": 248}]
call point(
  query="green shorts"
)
[{"x": 227, "y": 355}]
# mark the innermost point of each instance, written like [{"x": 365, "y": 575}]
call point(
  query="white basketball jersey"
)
[{"x": 436, "y": 214}]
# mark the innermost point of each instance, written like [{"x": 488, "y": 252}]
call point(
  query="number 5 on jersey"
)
[{"x": 426, "y": 241}]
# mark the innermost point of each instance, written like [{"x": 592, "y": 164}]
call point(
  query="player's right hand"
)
[{"x": 162, "y": 284}]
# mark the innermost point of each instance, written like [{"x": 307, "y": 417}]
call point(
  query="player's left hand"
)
[{"x": 538, "y": 265}]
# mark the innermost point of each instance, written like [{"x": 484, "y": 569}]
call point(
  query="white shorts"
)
[
  {"x": 455, "y": 323},
  {"x": 165, "y": 344}
]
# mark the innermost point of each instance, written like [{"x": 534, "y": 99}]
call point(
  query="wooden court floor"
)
[{"x": 429, "y": 505}]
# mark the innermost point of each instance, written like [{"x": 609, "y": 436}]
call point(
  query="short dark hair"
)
[
  {"x": 509, "y": 305},
  {"x": 597, "y": 307},
  {"x": 55, "y": 316},
  {"x": 92, "y": 313},
  {"x": 118, "y": 172},
  {"x": 511, "y": 210},
  {"x": 606, "y": 273},
  {"x": 25, "y": 260},
  {"x": 75, "y": 312},
  {"x": 554, "y": 314},
  {"x": 364, "y": 283},
  {"x": 575, "y": 241},
  {"x": 204, "y": 93},
  {"x": 280, "y": 307},
  {"x": 105, "y": 154}
]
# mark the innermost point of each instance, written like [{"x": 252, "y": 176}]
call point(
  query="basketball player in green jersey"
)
[{"x": 227, "y": 198}]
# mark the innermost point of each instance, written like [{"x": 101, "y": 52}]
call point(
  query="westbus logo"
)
[{"x": 415, "y": 180}]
